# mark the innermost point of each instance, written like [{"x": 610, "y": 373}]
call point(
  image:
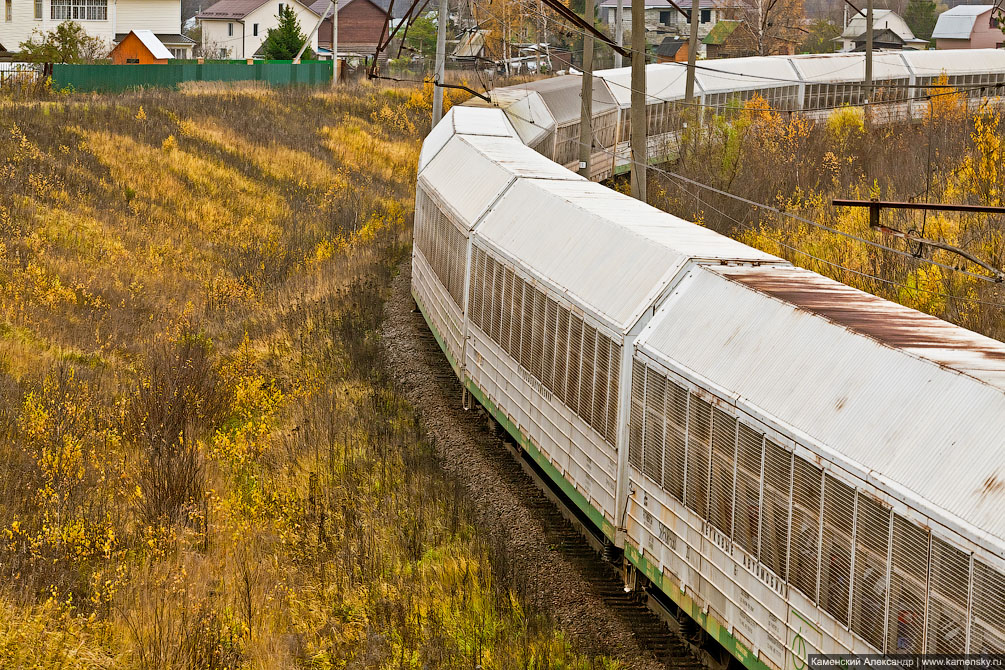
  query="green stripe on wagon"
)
[
  {"x": 436, "y": 335},
  {"x": 712, "y": 626},
  {"x": 717, "y": 630},
  {"x": 595, "y": 515}
]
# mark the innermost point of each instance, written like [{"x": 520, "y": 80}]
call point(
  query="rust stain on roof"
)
[
  {"x": 993, "y": 485},
  {"x": 887, "y": 322}
]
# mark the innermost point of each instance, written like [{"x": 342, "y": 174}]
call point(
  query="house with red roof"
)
[{"x": 237, "y": 28}]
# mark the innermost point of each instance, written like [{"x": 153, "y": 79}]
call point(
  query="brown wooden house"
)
[
  {"x": 730, "y": 39},
  {"x": 883, "y": 39},
  {"x": 360, "y": 23},
  {"x": 672, "y": 50}
]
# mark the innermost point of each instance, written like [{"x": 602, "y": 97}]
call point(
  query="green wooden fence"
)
[{"x": 112, "y": 78}]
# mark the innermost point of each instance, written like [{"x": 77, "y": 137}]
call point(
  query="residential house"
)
[
  {"x": 730, "y": 39},
  {"x": 108, "y": 20},
  {"x": 180, "y": 46},
  {"x": 968, "y": 27},
  {"x": 140, "y": 47},
  {"x": 237, "y": 28},
  {"x": 398, "y": 11},
  {"x": 882, "y": 19},
  {"x": 663, "y": 19},
  {"x": 672, "y": 50},
  {"x": 881, "y": 39},
  {"x": 360, "y": 23},
  {"x": 471, "y": 46}
]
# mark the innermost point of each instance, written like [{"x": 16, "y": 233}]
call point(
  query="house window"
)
[
  {"x": 8, "y": 11},
  {"x": 281, "y": 5},
  {"x": 705, "y": 16},
  {"x": 79, "y": 10},
  {"x": 38, "y": 10},
  {"x": 665, "y": 18},
  {"x": 230, "y": 30},
  {"x": 993, "y": 23},
  {"x": 133, "y": 60},
  {"x": 254, "y": 29}
]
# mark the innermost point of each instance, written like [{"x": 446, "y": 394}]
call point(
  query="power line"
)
[
  {"x": 796, "y": 217},
  {"x": 727, "y": 75},
  {"x": 951, "y": 90},
  {"x": 891, "y": 282},
  {"x": 737, "y": 76},
  {"x": 831, "y": 229},
  {"x": 925, "y": 96}
]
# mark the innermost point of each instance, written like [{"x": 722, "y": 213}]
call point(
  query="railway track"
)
[{"x": 653, "y": 628}]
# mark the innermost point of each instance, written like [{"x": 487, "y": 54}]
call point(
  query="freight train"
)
[
  {"x": 795, "y": 465},
  {"x": 545, "y": 113}
]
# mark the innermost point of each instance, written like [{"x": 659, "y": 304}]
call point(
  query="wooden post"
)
[{"x": 692, "y": 52}]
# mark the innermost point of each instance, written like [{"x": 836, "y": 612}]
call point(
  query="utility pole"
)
[
  {"x": 335, "y": 72},
  {"x": 310, "y": 35},
  {"x": 619, "y": 31},
  {"x": 868, "y": 52},
  {"x": 692, "y": 52},
  {"x": 441, "y": 57},
  {"x": 640, "y": 158},
  {"x": 586, "y": 111},
  {"x": 505, "y": 36}
]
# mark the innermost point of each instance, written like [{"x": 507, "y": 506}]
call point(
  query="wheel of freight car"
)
[
  {"x": 691, "y": 631},
  {"x": 715, "y": 655}
]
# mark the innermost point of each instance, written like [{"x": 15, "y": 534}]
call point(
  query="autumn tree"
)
[
  {"x": 777, "y": 24},
  {"x": 820, "y": 38},
  {"x": 66, "y": 43},
  {"x": 421, "y": 36}
]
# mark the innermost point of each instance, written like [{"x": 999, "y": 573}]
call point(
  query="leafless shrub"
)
[{"x": 172, "y": 406}]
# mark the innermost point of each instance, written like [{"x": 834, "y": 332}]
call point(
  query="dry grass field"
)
[{"x": 202, "y": 462}]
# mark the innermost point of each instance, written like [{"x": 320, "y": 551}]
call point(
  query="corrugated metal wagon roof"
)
[
  {"x": 746, "y": 73},
  {"x": 526, "y": 110},
  {"x": 955, "y": 61},
  {"x": 563, "y": 96},
  {"x": 471, "y": 171},
  {"x": 612, "y": 253},
  {"x": 907, "y": 397},
  {"x": 665, "y": 81},
  {"x": 464, "y": 121},
  {"x": 837, "y": 68}
]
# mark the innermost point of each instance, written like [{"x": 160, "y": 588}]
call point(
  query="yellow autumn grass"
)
[{"x": 257, "y": 228}]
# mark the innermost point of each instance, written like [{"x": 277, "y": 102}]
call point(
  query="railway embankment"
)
[{"x": 548, "y": 563}]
